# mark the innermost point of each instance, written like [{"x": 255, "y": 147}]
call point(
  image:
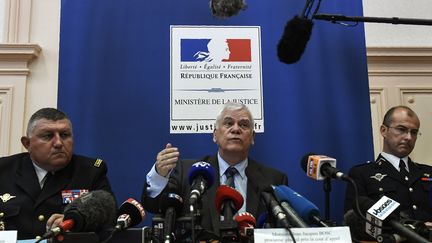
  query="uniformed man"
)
[
  {"x": 36, "y": 186},
  {"x": 394, "y": 174}
]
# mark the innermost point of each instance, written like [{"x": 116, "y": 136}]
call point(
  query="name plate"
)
[
  {"x": 303, "y": 235},
  {"x": 8, "y": 236}
]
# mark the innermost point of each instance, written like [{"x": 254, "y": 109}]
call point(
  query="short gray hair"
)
[
  {"x": 51, "y": 114},
  {"x": 231, "y": 106}
]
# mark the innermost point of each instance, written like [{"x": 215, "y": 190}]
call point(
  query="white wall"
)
[{"x": 388, "y": 35}]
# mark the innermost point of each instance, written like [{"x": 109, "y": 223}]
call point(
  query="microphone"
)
[
  {"x": 226, "y": 8},
  {"x": 319, "y": 167},
  {"x": 172, "y": 204},
  {"x": 226, "y": 193},
  {"x": 381, "y": 212},
  {"x": 308, "y": 211},
  {"x": 296, "y": 34},
  {"x": 273, "y": 206},
  {"x": 291, "y": 213},
  {"x": 228, "y": 201},
  {"x": 245, "y": 221},
  {"x": 91, "y": 212},
  {"x": 201, "y": 176},
  {"x": 262, "y": 221},
  {"x": 131, "y": 213}
]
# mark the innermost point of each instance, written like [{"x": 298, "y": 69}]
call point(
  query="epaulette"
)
[
  {"x": 97, "y": 163},
  {"x": 364, "y": 164}
]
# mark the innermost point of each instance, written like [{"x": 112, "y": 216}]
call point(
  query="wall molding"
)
[
  {"x": 14, "y": 71},
  {"x": 399, "y": 61}
]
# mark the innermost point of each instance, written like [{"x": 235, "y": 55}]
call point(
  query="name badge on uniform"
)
[{"x": 69, "y": 195}]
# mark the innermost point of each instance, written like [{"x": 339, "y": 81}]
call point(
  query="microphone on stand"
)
[
  {"x": 274, "y": 207},
  {"x": 201, "y": 177},
  {"x": 307, "y": 210},
  {"x": 91, "y": 212},
  {"x": 228, "y": 201},
  {"x": 245, "y": 222},
  {"x": 172, "y": 204}
]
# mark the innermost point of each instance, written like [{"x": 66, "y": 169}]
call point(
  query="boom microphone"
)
[
  {"x": 319, "y": 167},
  {"x": 93, "y": 211},
  {"x": 307, "y": 210},
  {"x": 201, "y": 176},
  {"x": 294, "y": 39},
  {"x": 226, "y": 8}
]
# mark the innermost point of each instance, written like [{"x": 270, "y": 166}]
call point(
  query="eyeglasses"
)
[{"x": 401, "y": 130}]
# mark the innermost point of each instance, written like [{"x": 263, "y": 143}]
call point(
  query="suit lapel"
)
[
  {"x": 253, "y": 191},
  {"x": 26, "y": 178},
  {"x": 210, "y": 195}
]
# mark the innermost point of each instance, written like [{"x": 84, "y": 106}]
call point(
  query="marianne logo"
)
[{"x": 215, "y": 50}]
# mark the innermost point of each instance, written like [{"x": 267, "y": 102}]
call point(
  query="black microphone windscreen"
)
[
  {"x": 226, "y": 8},
  {"x": 294, "y": 39},
  {"x": 92, "y": 211},
  {"x": 171, "y": 200}
]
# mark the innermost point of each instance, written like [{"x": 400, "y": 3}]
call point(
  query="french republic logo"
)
[{"x": 215, "y": 50}]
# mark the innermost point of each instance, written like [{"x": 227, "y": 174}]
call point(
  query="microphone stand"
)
[
  {"x": 327, "y": 190},
  {"x": 394, "y": 20}
]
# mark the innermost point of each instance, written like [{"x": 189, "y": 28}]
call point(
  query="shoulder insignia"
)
[
  {"x": 6, "y": 197},
  {"x": 378, "y": 176},
  {"x": 97, "y": 163}
]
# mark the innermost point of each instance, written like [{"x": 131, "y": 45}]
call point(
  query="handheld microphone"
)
[
  {"x": 319, "y": 167},
  {"x": 293, "y": 217},
  {"x": 273, "y": 206},
  {"x": 172, "y": 204},
  {"x": 381, "y": 212},
  {"x": 91, "y": 212},
  {"x": 131, "y": 213},
  {"x": 201, "y": 176},
  {"x": 307, "y": 210},
  {"x": 245, "y": 221}
]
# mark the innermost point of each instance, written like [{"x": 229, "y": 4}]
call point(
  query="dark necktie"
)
[
  {"x": 46, "y": 178},
  {"x": 229, "y": 173},
  {"x": 402, "y": 168}
]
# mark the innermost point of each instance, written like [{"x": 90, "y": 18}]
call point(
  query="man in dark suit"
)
[
  {"x": 234, "y": 135},
  {"x": 36, "y": 186},
  {"x": 394, "y": 174}
]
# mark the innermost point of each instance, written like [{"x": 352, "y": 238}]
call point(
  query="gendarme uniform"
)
[
  {"x": 412, "y": 191},
  {"x": 26, "y": 207}
]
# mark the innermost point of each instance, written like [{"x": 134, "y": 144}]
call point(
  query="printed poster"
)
[{"x": 212, "y": 65}]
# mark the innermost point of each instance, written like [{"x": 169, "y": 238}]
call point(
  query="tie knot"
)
[{"x": 229, "y": 173}]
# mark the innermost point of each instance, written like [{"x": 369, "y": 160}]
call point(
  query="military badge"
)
[
  {"x": 69, "y": 196},
  {"x": 6, "y": 197},
  {"x": 98, "y": 163},
  {"x": 378, "y": 176}
]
